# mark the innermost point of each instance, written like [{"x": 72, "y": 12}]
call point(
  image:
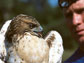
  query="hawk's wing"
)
[
  {"x": 2, "y": 38},
  {"x": 4, "y": 27},
  {"x": 55, "y": 43}
]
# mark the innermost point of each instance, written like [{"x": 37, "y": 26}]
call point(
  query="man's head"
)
[{"x": 74, "y": 14}]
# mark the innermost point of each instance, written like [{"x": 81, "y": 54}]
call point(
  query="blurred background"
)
[{"x": 47, "y": 12}]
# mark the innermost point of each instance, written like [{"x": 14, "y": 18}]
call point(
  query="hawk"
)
[{"x": 24, "y": 42}]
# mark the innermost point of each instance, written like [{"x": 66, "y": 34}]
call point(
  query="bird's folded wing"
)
[
  {"x": 55, "y": 43},
  {"x": 4, "y": 27},
  {"x": 2, "y": 43}
]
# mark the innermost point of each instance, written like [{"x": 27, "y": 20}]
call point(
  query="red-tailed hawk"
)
[{"x": 24, "y": 43}]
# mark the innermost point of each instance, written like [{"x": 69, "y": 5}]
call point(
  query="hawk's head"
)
[{"x": 21, "y": 24}]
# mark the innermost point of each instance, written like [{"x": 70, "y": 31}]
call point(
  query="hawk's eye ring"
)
[{"x": 32, "y": 25}]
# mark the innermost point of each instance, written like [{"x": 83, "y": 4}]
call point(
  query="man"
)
[{"x": 74, "y": 14}]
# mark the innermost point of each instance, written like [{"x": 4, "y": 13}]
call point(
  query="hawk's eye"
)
[{"x": 31, "y": 25}]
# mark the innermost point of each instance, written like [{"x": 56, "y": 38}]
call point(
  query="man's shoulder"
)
[
  {"x": 72, "y": 60},
  {"x": 77, "y": 57}
]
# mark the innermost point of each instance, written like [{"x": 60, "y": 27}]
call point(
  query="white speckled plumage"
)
[
  {"x": 4, "y": 27},
  {"x": 56, "y": 49},
  {"x": 31, "y": 48},
  {"x": 2, "y": 39}
]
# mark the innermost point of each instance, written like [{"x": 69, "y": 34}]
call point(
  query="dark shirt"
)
[{"x": 77, "y": 57}]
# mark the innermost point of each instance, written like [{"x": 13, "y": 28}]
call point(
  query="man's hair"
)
[{"x": 65, "y": 3}]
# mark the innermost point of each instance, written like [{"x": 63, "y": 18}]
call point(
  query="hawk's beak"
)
[
  {"x": 39, "y": 34},
  {"x": 38, "y": 30}
]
